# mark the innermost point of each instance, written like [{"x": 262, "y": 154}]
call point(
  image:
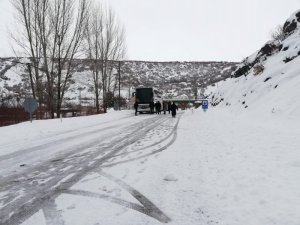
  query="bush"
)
[
  {"x": 278, "y": 34},
  {"x": 268, "y": 49},
  {"x": 258, "y": 69},
  {"x": 289, "y": 27},
  {"x": 244, "y": 68}
]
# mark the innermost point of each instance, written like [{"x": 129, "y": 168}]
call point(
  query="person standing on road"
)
[
  {"x": 169, "y": 107},
  {"x": 151, "y": 105},
  {"x": 136, "y": 106},
  {"x": 173, "y": 109},
  {"x": 165, "y": 105},
  {"x": 156, "y": 107},
  {"x": 159, "y": 107}
]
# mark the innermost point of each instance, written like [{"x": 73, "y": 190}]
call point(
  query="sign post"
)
[
  {"x": 204, "y": 105},
  {"x": 30, "y": 105}
]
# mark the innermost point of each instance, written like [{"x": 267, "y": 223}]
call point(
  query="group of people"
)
[
  {"x": 156, "y": 106},
  {"x": 167, "y": 106}
]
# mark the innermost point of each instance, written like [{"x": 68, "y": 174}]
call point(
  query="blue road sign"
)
[
  {"x": 204, "y": 104},
  {"x": 30, "y": 105}
]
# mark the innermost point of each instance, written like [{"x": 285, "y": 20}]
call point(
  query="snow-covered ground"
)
[
  {"x": 214, "y": 167},
  {"x": 236, "y": 164}
]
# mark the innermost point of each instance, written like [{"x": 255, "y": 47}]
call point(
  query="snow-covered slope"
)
[
  {"x": 268, "y": 81},
  {"x": 175, "y": 78}
]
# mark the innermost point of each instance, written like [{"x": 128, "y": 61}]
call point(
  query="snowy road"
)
[
  {"x": 217, "y": 167},
  {"x": 34, "y": 173}
]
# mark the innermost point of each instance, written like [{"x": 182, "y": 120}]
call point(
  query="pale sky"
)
[{"x": 188, "y": 30}]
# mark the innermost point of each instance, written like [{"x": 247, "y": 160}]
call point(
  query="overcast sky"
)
[{"x": 188, "y": 30}]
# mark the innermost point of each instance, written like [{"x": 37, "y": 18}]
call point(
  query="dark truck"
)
[{"x": 144, "y": 96}]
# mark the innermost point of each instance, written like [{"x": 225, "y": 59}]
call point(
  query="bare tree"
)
[
  {"x": 278, "y": 34},
  {"x": 54, "y": 32},
  {"x": 61, "y": 36},
  {"x": 105, "y": 44},
  {"x": 27, "y": 39},
  {"x": 93, "y": 39}
]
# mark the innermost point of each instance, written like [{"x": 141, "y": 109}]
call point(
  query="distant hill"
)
[{"x": 174, "y": 78}]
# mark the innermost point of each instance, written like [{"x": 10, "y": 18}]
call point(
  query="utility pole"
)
[{"x": 119, "y": 99}]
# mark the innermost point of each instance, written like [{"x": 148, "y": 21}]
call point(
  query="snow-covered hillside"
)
[
  {"x": 175, "y": 78},
  {"x": 268, "y": 81}
]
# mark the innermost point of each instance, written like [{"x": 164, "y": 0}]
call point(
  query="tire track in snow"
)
[
  {"x": 52, "y": 137},
  {"x": 173, "y": 139},
  {"x": 43, "y": 146},
  {"x": 17, "y": 207}
]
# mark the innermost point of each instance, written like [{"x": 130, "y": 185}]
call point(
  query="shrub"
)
[
  {"x": 258, "y": 69},
  {"x": 289, "y": 27},
  {"x": 243, "y": 69},
  {"x": 278, "y": 34}
]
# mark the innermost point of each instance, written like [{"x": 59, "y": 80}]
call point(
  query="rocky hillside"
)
[
  {"x": 185, "y": 79},
  {"x": 269, "y": 79}
]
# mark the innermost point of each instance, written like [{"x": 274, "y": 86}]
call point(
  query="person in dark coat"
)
[
  {"x": 151, "y": 105},
  {"x": 165, "y": 105},
  {"x": 169, "y": 107},
  {"x": 159, "y": 107},
  {"x": 155, "y": 106},
  {"x": 173, "y": 109},
  {"x": 136, "y": 106}
]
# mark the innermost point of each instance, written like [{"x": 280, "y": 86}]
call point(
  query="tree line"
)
[{"x": 52, "y": 34}]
